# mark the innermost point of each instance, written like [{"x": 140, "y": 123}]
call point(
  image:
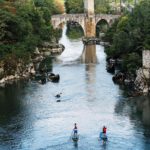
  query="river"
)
[{"x": 31, "y": 119}]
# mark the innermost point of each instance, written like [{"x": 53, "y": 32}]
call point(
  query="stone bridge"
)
[
  {"x": 82, "y": 19},
  {"x": 88, "y": 20}
]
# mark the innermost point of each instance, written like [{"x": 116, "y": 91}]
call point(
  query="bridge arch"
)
[
  {"x": 98, "y": 20},
  {"x": 59, "y": 19},
  {"x": 74, "y": 30},
  {"x": 101, "y": 27},
  {"x": 88, "y": 24},
  {"x": 103, "y": 21},
  {"x": 109, "y": 18}
]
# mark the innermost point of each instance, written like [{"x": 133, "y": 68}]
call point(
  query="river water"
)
[{"x": 31, "y": 119}]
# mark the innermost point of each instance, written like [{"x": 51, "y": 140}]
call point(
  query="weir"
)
[{"x": 88, "y": 22}]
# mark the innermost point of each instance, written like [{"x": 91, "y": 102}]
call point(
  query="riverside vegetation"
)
[
  {"x": 25, "y": 25},
  {"x": 129, "y": 36},
  {"x": 101, "y": 6}
]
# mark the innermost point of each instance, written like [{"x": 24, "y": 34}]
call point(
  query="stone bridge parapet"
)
[{"x": 81, "y": 19}]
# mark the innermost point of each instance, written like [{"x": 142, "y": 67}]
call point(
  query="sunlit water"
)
[{"x": 31, "y": 119}]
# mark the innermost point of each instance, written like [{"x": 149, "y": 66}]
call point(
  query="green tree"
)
[
  {"x": 74, "y": 6},
  {"x": 25, "y": 28},
  {"x": 129, "y": 36}
]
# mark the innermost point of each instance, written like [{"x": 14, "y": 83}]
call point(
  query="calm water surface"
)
[{"x": 31, "y": 119}]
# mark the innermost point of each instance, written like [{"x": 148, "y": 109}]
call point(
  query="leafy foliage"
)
[
  {"x": 74, "y": 6},
  {"x": 25, "y": 28},
  {"x": 129, "y": 36},
  {"x": 102, "y": 6},
  {"x": 77, "y": 6}
]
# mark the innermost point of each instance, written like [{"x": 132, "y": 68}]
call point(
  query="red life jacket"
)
[{"x": 104, "y": 130}]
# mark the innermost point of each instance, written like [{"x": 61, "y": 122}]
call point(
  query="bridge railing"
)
[
  {"x": 84, "y": 15},
  {"x": 69, "y": 15}
]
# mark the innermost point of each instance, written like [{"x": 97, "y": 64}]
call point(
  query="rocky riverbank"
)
[
  {"x": 142, "y": 81},
  {"x": 11, "y": 70},
  {"x": 139, "y": 84}
]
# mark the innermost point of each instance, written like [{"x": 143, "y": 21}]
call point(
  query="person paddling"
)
[
  {"x": 75, "y": 130},
  {"x": 103, "y": 135},
  {"x": 104, "y": 129}
]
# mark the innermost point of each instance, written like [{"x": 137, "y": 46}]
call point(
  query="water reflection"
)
[
  {"x": 142, "y": 105},
  {"x": 90, "y": 73},
  {"x": 90, "y": 81},
  {"x": 10, "y": 104},
  {"x": 75, "y": 144},
  {"x": 89, "y": 54},
  {"x": 12, "y": 114},
  {"x": 137, "y": 108}
]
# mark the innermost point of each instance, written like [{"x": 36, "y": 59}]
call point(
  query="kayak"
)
[{"x": 103, "y": 136}]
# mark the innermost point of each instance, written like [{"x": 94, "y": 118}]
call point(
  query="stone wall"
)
[
  {"x": 146, "y": 59},
  {"x": 142, "y": 81}
]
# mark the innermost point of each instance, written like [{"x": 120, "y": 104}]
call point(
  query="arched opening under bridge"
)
[
  {"x": 74, "y": 30},
  {"x": 101, "y": 28}
]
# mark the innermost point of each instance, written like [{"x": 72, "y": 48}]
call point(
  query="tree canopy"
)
[
  {"x": 129, "y": 36},
  {"x": 25, "y": 25},
  {"x": 74, "y": 6}
]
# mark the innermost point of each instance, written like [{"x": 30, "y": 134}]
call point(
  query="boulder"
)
[
  {"x": 54, "y": 78},
  {"x": 111, "y": 68},
  {"x": 119, "y": 78}
]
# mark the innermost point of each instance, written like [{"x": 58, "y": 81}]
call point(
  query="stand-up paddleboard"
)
[
  {"x": 103, "y": 137},
  {"x": 75, "y": 137}
]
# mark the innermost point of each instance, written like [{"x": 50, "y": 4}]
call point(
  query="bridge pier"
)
[{"x": 90, "y": 26}]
